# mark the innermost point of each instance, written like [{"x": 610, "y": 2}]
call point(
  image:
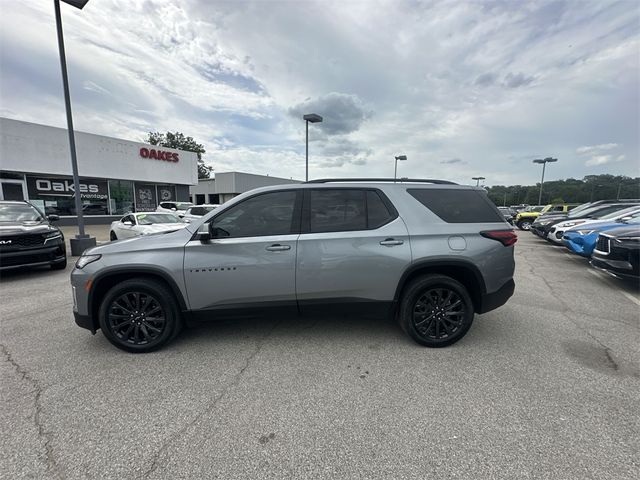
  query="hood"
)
[
  {"x": 160, "y": 239},
  {"x": 20, "y": 228},
  {"x": 630, "y": 231}
]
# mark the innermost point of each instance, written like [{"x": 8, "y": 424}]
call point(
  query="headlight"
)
[
  {"x": 85, "y": 260},
  {"x": 572, "y": 224},
  {"x": 53, "y": 234}
]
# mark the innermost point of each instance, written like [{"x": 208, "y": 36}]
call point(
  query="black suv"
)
[{"x": 27, "y": 239}]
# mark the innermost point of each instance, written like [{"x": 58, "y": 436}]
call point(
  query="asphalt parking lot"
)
[{"x": 544, "y": 387}]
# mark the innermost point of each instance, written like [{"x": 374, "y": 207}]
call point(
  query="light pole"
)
[
  {"x": 544, "y": 162},
  {"x": 395, "y": 171},
  {"x": 313, "y": 118},
  {"x": 477, "y": 179},
  {"x": 82, "y": 241}
]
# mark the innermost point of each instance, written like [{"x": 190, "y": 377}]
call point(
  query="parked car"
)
[
  {"x": 431, "y": 252},
  {"x": 523, "y": 220},
  {"x": 618, "y": 252},
  {"x": 198, "y": 211},
  {"x": 543, "y": 226},
  {"x": 179, "y": 208},
  {"x": 582, "y": 239},
  {"x": 28, "y": 239},
  {"x": 508, "y": 213},
  {"x": 139, "y": 224},
  {"x": 556, "y": 231}
]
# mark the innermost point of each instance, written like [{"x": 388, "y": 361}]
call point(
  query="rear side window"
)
[
  {"x": 337, "y": 210},
  {"x": 377, "y": 212},
  {"x": 457, "y": 206}
]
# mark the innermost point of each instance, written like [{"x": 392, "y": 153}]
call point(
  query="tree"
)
[{"x": 179, "y": 141}]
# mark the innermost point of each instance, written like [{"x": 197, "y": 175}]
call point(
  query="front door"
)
[{"x": 250, "y": 262}]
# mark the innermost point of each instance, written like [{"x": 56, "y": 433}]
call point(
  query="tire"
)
[
  {"x": 125, "y": 315},
  {"x": 60, "y": 265},
  {"x": 524, "y": 225},
  {"x": 423, "y": 297},
  {"x": 112, "y": 236}
]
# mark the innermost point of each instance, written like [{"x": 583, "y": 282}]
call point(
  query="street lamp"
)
[
  {"x": 313, "y": 118},
  {"x": 395, "y": 172},
  {"x": 544, "y": 165},
  {"x": 477, "y": 179},
  {"x": 82, "y": 241}
]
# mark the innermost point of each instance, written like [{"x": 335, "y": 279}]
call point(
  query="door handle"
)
[
  {"x": 276, "y": 247},
  {"x": 390, "y": 242}
]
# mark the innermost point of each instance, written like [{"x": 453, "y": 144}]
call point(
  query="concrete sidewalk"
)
[{"x": 101, "y": 232}]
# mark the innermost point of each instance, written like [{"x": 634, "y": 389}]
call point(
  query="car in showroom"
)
[
  {"x": 28, "y": 239},
  {"x": 556, "y": 231},
  {"x": 144, "y": 223},
  {"x": 179, "y": 208},
  {"x": 430, "y": 252},
  {"x": 198, "y": 211},
  {"x": 582, "y": 239},
  {"x": 618, "y": 252},
  {"x": 542, "y": 226}
]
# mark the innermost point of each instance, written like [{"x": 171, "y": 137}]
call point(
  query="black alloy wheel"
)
[
  {"x": 139, "y": 315},
  {"x": 436, "y": 310},
  {"x": 438, "y": 313}
]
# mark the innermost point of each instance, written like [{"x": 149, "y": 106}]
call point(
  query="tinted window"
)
[
  {"x": 266, "y": 214},
  {"x": 377, "y": 212},
  {"x": 199, "y": 211},
  {"x": 337, "y": 210},
  {"x": 457, "y": 206}
]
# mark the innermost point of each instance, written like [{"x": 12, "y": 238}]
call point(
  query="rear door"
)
[
  {"x": 251, "y": 262},
  {"x": 352, "y": 250}
]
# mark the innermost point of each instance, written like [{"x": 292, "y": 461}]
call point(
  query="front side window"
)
[{"x": 262, "y": 215}]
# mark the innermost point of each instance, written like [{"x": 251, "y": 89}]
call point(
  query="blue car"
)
[{"x": 582, "y": 239}]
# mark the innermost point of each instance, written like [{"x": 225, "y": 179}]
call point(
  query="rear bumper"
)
[{"x": 491, "y": 301}]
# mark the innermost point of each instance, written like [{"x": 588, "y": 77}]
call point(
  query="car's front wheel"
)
[
  {"x": 436, "y": 310},
  {"x": 139, "y": 315},
  {"x": 524, "y": 225}
]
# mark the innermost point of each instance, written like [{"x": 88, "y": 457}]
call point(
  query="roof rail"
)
[{"x": 391, "y": 180}]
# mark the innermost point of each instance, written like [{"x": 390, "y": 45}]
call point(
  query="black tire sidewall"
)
[
  {"x": 415, "y": 290},
  {"x": 161, "y": 293}
]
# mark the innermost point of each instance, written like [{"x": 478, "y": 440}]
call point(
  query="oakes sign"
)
[
  {"x": 159, "y": 154},
  {"x": 63, "y": 187}
]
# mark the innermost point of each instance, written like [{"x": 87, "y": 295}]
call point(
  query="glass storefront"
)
[{"x": 56, "y": 195}]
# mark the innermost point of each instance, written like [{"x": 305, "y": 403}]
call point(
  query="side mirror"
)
[
  {"x": 173, "y": 209},
  {"x": 53, "y": 218},
  {"x": 626, "y": 219},
  {"x": 127, "y": 222}
]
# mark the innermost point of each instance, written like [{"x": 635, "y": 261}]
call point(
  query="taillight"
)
[{"x": 505, "y": 237}]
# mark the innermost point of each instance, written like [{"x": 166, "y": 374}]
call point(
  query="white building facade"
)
[
  {"x": 226, "y": 185},
  {"x": 116, "y": 176}
]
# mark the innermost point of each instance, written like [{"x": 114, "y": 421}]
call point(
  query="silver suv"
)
[{"x": 431, "y": 252}]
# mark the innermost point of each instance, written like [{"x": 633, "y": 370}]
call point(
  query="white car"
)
[
  {"x": 179, "y": 208},
  {"x": 145, "y": 223},
  {"x": 198, "y": 211},
  {"x": 557, "y": 231}
]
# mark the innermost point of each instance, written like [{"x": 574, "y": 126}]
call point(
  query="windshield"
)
[
  {"x": 183, "y": 205},
  {"x": 19, "y": 212},
  {"x": 621, "y": 213},
  {"x": 151, "y": 218}
]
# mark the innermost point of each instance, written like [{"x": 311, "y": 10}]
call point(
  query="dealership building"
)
[{"x": 116, "y": 176}]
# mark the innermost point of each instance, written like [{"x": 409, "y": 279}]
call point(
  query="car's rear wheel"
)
[
  {"x": 139, "y": 315},
  {"x": 524, "y": 225},
  {"x": 112, "y": 236},
  {"x": 436, "y": 310}
]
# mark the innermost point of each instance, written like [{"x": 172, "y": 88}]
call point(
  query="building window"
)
[
  {"x": 56, "y": 195},
  {"x": 214, "y": 199},
  {"x": 120, "y": 197},
  {"x": 167, "y": 193},
  {"x": 199, "y": 198},
  {"x": 146, "y": 199}
]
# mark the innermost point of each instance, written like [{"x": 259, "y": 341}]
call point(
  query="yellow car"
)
[{"x": 524, "y": 219}]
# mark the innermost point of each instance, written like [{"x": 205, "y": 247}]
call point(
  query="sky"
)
[{"x": 462, "y": 89}]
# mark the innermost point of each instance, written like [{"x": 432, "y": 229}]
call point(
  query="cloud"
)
[
  {"x": 517, "y": 80},
  {"x": 486, "y": 79},
  {"x": 342, "y": 113},
  {"x": 603, "y": 159},
  {"x": 452, "y": 161},
  {"x": 591, "y": 149}
]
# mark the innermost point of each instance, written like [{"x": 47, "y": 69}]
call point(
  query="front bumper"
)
[
  {"x": 33, "y": 257},
  {"x": 85, "y": 321}
]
